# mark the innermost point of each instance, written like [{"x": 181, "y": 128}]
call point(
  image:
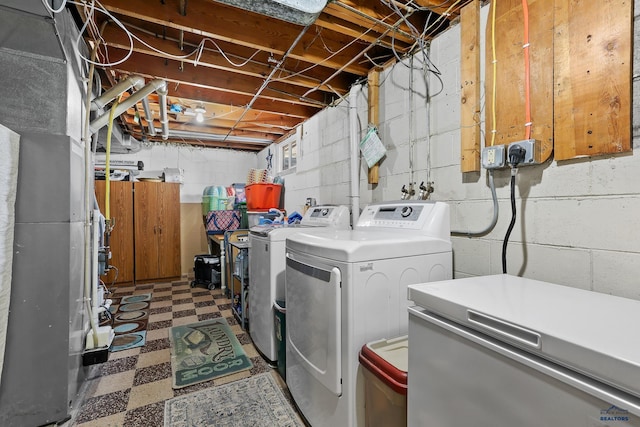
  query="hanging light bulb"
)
[{"x": 200, "y": 113}]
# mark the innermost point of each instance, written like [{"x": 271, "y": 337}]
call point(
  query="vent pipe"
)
[
  {"x": 126, "y": 84},
  {"x": 164, "y": 120},
  {"x": 138, "y": 96}
]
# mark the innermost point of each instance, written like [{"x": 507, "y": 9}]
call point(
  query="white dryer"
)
[
  {"x": 266, "y": 269},
  {"x": 347, "y": 288}
]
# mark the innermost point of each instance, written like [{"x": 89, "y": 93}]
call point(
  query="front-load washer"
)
[
  {"x": 347, "y": 288},
  {"x": 266, "y": 269}
]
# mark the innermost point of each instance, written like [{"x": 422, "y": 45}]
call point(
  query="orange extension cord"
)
[{"x": 527, "y": 71}]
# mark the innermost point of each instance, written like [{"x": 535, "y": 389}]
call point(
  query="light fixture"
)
[{"x": 200, "y": 113}]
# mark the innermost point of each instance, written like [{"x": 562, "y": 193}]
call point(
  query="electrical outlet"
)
[
  {"x": 493, "y": 157},
  {"x": 533, "y": 151}
]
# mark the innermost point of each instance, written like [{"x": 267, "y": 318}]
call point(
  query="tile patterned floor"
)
[{"x": 131, "y": 387}]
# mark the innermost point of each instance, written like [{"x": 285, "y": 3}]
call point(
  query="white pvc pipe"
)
[
  {"x": 354, "y": 139},
  {"x": 109, "y": 95},
  {"x": 94, "y": 272},
  {"x": 138, "y": 96},
  {"x": 164, "y": 120}
]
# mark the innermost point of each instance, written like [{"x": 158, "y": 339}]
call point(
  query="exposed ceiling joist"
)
[{"x": 221, "y": 59}]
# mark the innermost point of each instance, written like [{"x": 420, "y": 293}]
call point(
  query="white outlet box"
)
[{"x": 493, "y": 157}]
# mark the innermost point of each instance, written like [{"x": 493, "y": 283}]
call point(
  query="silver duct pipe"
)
[
  {"x": 217, "y": 138},
  {"x": 138, "y": 96},
  {"x": 164, "y": 120},
  {"x": 126, "y": 84}
]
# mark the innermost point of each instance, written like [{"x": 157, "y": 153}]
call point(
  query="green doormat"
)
[
  {"x": 203, "y": 351},
  {"x": 256, "y": 401}
]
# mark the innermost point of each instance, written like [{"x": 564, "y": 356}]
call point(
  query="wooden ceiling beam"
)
[
  {"x": 369, "y": 34},
  {"x": 251, "y": 120},
  {"x": 369, "y": 11},
  {"x": 116, "y": 38},
  {"x": 215, "y": 130},
  {"x": 219, "y": 97},
  {"x": 234, "y": 100},
  {"x": 440, "y": 7},
  {"x": 215, "y": 79},
  {"x": 224, "y": 22}
]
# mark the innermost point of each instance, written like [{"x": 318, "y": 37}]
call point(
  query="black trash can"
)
[
  {"x": 280, "y": 322},
  {"x": 206, "y": 270}
]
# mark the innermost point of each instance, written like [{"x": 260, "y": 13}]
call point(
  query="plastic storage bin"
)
[
  {"x": 263, "y": 196},
  {"x": 214, "y": 198},
  {"x": 256, "y": 218},
  {"x": 385, "y": 382},
  {"x": 280, "y": 317}
]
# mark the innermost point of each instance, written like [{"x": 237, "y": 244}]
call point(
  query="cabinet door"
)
[
  {"x": 146, "y": 229},
  {"x": 169, "y": 262},
  {"x": 122, "y": 235}
]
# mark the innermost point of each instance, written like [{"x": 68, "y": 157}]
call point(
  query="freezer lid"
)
[{"x": 593, "y": 333}]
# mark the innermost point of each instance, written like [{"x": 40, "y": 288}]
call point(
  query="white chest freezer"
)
[{"x": 504, "y": 351}]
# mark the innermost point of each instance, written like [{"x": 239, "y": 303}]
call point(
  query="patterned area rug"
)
[
  {"x": 130, "y": 322},
  {"x": 205, "y": 350},
  {"x": 256, "y": 401}
]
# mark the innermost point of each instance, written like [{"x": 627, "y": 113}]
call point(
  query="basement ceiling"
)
[{"x": 255, "y": 76}]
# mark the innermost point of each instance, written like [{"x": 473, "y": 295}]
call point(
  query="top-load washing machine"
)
[
  {"x": 347, "y": 288},
  {"x": 266, "y": 269}
]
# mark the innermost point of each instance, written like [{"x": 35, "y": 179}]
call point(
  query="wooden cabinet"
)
[
  {"x": 157, "y": 230},
  {"x": 122, "y": 236}
]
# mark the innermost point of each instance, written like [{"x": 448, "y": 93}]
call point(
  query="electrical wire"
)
[
  {"x": 494, "y": 63},
  {"x": 115, "y": 276},
  {"x": 513, "y": 220},
  {"x": 52, "y": 10},
  {"x": 494, "y": 220},
  {"x": 115, "y": 20},
  {"x": 527, "y": 71},
  {"x": 90, "y": 22}
]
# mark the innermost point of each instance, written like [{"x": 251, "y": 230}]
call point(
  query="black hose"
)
[{"x": 513, "y": 221}]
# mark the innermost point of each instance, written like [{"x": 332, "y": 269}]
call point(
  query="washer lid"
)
[
  {"x": 359, "y": 246},
  {"x": 593, "y": 333},
  {"x": 279, "y": 233}
]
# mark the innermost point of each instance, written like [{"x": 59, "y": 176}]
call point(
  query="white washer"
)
[
  {"x": 266, "y": 270},
  {"x": 348, "y": 288}
]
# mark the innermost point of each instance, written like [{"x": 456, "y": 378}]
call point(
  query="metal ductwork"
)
[{"x": 301, "y": 12}]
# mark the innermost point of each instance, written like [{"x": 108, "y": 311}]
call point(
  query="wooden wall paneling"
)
[
  {"x": 510, "y": 105},
  {"x": 470, "y": 87},
  {"x": 169, "y": 262},
  {"x": 373, "y": 84},
  {"x": 593, "y": 77},
  {"x": 122, "y": 235},
  {"x": 146, "y": 230}
]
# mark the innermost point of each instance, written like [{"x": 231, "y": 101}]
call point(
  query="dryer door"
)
[{"x": 314, "y": 318}]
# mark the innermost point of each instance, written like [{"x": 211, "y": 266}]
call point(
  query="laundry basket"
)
[{"x": 385, "y": 382}]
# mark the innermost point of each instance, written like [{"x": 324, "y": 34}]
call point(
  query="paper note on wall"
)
[{"x": 372, "y": 148}]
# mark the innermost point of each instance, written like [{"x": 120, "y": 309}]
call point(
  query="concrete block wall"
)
[
  {"x": 577, "y": 221},
  {"x": 202, "y": 166}
]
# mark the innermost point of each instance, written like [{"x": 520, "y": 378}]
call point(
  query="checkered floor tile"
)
[{"x": 131, "y": 387}]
